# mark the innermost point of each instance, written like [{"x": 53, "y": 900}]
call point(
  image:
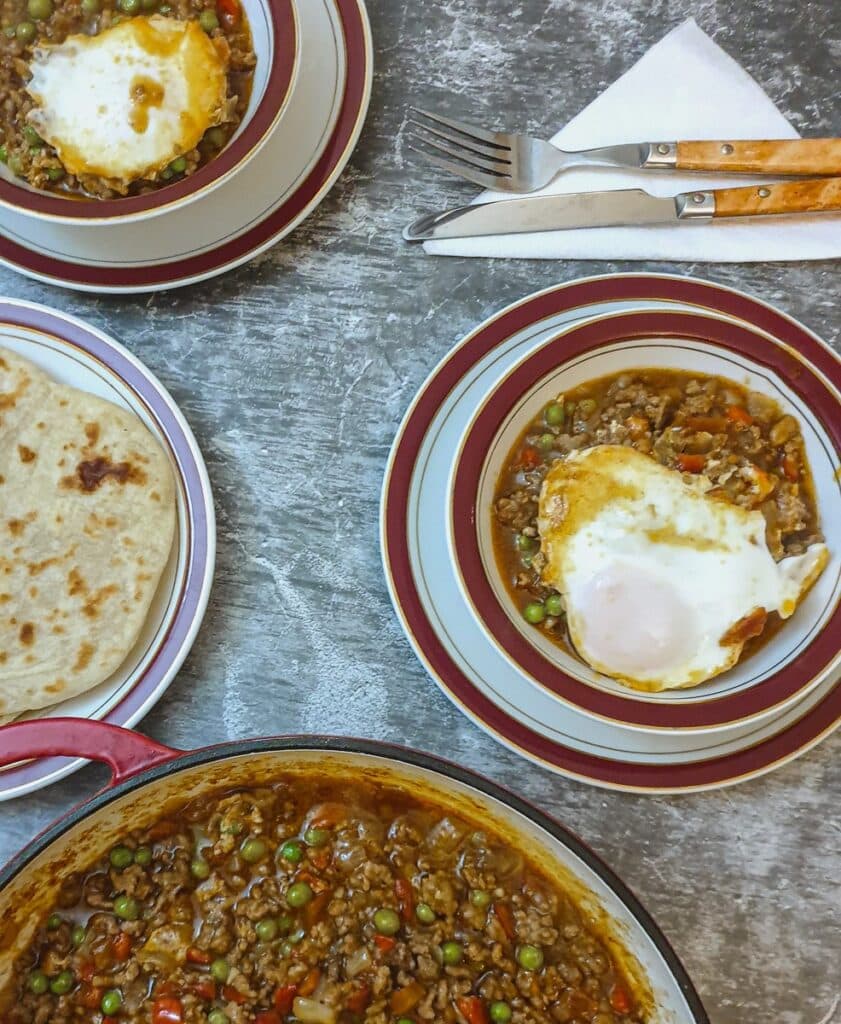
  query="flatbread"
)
[{"x": 87, "y": 518}]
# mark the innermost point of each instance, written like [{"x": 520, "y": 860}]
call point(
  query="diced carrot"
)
[
  {"x": 620, "y": 999},
  {"x": 529, "y": 457},
  {"x": 267, "y": 1017},
  {"x": 329, "y": 815},
  {"x": 736, "y": 414},
  {"x": 506, "y": 919},
  {"x": 89, "y": 996},
  {"x": 233, "y": 995},
  {"x": 167, "y": 1010},
  {"x": 791, "y": 469},
  {"x": 198, "y": 956},
  {"x": 709, "y": 424},
  {"x": 230, "y": 12},
  {"x": 121, "y": 947},
  {"x": 385, "y": 943},
  {"x": 406, "y": 998},
  {"x": 357, "y": 1001},
  {"x": 166, "y": 988},
  {"x": 310, "y": 983},
  {"x": 405, "y": 898},
  {"x": 320, "y": 858},
  {"x": 689, "y": 463},
  {"x": 284, "y": 997},
  {"x": 205, "y": 988},
  {"x": 162, "y": 829},
  {"x": 314, "y": 910},
  {"x": 472, "y": 1009},
  {"x": 87, "y": 969}
]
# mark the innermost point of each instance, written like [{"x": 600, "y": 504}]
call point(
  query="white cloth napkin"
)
[{"x": 685, "y": 87}]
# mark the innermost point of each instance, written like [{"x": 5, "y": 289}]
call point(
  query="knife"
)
[{"x": 626, "y": 207}]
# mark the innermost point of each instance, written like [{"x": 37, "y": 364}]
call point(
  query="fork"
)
[{"x": 508, "y": 162}]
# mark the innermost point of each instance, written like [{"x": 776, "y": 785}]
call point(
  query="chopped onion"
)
[
  {"x": 312, "y": 1012},
  {"x": 358, "y": 962}
]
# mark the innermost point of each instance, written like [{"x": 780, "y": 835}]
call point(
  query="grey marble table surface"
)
[{"x": 294, "y": 373}]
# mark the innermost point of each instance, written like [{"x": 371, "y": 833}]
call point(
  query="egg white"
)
[
  {"x": 126, "y": 102},
  {"x": 654, "y": 572}
]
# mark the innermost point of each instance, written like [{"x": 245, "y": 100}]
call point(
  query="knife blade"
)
[{"x": 617, "y": 208}]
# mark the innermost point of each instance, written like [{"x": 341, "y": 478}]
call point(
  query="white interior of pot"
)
[{"x": 25, "y": 900}]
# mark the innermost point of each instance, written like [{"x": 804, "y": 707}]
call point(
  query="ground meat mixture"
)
[
  {"x": 322, "y": 904},
  {"x": 28, "y": 23},
  {"x": 751, "y": 452}
]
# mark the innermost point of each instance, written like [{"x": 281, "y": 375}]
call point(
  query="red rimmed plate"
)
[
  {"x": 274, "y": 29},
  {"x": 77, "y": 354},
  {"x": 802, "y": 654},
  {"x": 567, "y": 301},
  {"x": 250, "y": 213}
]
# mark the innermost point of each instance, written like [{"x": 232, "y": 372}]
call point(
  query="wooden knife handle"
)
[
  {"x": 780, "y": 156},
  {"x": 814, "y": 196}
]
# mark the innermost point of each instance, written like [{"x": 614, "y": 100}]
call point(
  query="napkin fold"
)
[{"x": 685, "y": 87}]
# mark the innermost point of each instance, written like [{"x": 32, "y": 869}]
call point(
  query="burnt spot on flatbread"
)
[
  {"x": 92, "y": 433},
  {"x": 26, "y": 454},
  {"x": 33, "y": 592},
  {"x": 57, "y": 686},
  {"x": 58, "y": 630},
  {"x": 2, "y": 479},
  {"x": 83, "y": 657},
  {"x": 3, "y": 364},
  {"x": 75, "y": 583},
  {"x": 35, "y": 568},
  {"x": 5, "y": 598},
  {"x": 27, "y": 634},
  {"x": 93, "y": 606},
  {"x": 3, "y": 659},
  {"x": 9, "y": 399},
  {"x": 92, "y": 473},
  {"x": 16, "y": 527},
  {"x": 155, "y": 496}
]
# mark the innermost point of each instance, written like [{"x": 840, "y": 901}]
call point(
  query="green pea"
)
[
  {"x": 208, "y": 20},
  {"x": 530, "y": 958},
  {"x": 111, "y": 1002},
  {"x": 480, "y": 898},
  {"x": 55, "y": 173},
  {"x": 534, "y": 612},
  {"x": 148, "y": 5},
  {"x": 554, "y": 605},
  {"x": 586, "y": 407},
  {"x": 129, "y": 6},
  {"x": 62, "y": 983},
  {"x": 554, "y": 414},
  {"x": 253, "y": 850},
  {"x": 218, "y": 1017},
  {"x": 78, "y": 935},
  {"x": 179, "y": 165},
  {"x": 316, "y": 836},
  {"x": 424, "y": 913},
  {"x": 38, "y": 983},
  {"x": 525, "y": 543},
  {"x": 298, "y": 894},
  {"x": 33, "y": 139},
  {"x": 200, "y": 868},
  {"x": 53, "y": 922},
  {"x": 143, "y": 856},
  {"x": 285, "y": 922},
  {"x": 216, "y": 137},
  {"x": 166, "y": 174},
  {"x": 39, "y": 10},
  {"x": 292, "y": 851},
  {"x": 266, "y": 929},
  {"x": 286, "y": 948},
  {"x": 387, "y": 921},
  {"x": 90, "y": 7},
  {"x": 546, "y": 442},
  {"x": 219, "y": 970},
  {"x": 451, "y": 953},
  {"x": 25, "y": 32},
  {"x": 500, "y": 1013},
  {"x": 289, "y": 944},
  {"x": 121, "y": 857},
  {"x": 127, "y": 908},
  {"x": 4, "y": 155}
]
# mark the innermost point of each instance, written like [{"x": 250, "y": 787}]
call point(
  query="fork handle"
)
[{"x": 780, "y": 156}]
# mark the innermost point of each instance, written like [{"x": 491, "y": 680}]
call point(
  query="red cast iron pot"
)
[{"x": 149, "y": 780}]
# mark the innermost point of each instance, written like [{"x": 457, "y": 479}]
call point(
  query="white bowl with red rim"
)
[
  {"x": 274, "y": 31},
  {"x": 807, "y": 383}
]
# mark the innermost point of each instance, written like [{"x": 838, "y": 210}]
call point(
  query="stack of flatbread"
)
[{"x": 87, "y": 517}]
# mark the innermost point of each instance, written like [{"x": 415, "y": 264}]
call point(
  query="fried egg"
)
[
  {"x": 662, "y": 582},
  {"x": 124, "y": 103}
]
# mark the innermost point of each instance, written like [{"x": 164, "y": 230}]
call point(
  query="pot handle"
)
[{"x": 125, "y": 752}]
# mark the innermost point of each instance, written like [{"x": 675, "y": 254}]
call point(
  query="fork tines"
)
[{"x": 460, "y": 148}]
